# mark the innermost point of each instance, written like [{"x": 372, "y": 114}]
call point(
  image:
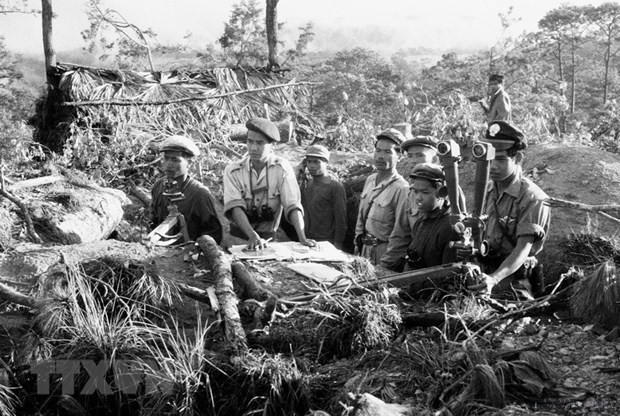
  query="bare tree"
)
[{"x": 271, "y": 23}]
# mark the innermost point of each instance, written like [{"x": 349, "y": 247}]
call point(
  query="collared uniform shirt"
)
[
  {"x": 197, "y": 208},
  {"x": 522, "y": 210},
  {"x": 380, "y": 220},
  {"x": 400, "y": 239},
  {"x": 275, "y": 186},
  {"x": 499, "y": 107}
]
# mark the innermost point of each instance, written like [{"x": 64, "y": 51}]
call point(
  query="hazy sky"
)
[{"x": 383, "y": 24}]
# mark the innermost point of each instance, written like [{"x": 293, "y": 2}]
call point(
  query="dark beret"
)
[
  {"x": 497, "y": 77},
  {"x": 428, "y": 171},
  {"x": 393, "y": 135},
  {"x": 265, "y": 127},
  {"x": 180, "y": 144},
  {"x": 425, "y": 141},
  {"x": 503, "y": 136}
]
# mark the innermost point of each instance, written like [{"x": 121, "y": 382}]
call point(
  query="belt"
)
[{"x": 370, "y": 240}]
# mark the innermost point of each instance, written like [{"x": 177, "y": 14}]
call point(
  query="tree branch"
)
[{"x": 180, "y": 100}]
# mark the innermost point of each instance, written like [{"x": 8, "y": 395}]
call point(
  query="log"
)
[
  {"x": 221, "y": 268},
  {"x": 142, "y": 194},
  {"x": 34, "y": 182},
  {"x": 7, "y": 293},
  {"x": 249, "y": 287},
  {"x": 239, "y": 133}
]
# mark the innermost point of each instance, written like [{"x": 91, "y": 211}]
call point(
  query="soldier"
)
[
  {"x": 432, "y": 232},
  {"x": 197, "y": 206},
  {"x": 499, "y": 107},
  {"x": 260, "y": 187},
  {"x": 324, "y": 200},
  {"x": 383, "y": 192},
  {"x": 518, "y": 215},
  {"x": 421, "y": 149}
]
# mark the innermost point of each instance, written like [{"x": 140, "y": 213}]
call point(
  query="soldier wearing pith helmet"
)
[
  {"x": 383, "y": 192},
  {"x": 197, "y": 206},
  {"x": 518, "y": 216},
  {"x": 260, "y": 187}
]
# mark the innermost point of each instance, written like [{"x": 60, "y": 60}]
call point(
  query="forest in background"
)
[{"x": 563, "y": 78}]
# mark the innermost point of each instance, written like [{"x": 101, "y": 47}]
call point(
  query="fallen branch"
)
[
  {"x": 599, "y": 209},
  {"x": 194, "y": 293},
  {"x": 24, "y": 209},
  {"x": 180, "y": 100},
  {"x": 12, "y": 295},
  {"x": 142, "y": 194},
  {"x": 249, "y": 287},
  {"x": 219, "y": 264}
]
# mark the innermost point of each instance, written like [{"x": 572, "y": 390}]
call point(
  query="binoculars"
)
[{"x": 265, "y": 213}]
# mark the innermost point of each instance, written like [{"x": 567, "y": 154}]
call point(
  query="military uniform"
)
[
  {"x": 520, "y": 210},
  {"x": 499, "y": 107},
  {"x": 274, "y": 188},
  {"x": 377, "y": 213},
  {"x": 197, "y": 208}
]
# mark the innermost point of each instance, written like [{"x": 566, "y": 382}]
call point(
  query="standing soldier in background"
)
[
  {"x": 383, "y": 192},
  {"x": 499, "y": 107},
  {"x": 260, "y": 187},
  {"x": 197, "y": 205},
  {"x": 324, "y": 200}
]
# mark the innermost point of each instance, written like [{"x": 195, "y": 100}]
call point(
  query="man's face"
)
[
  {"x": 494, "y": 86},
  {"x": 386, "y": 154},
  {"x": 503, "y": 166},
  {"x": 425, "y": 195},
  {"x": 175, "y": 164},
  {"x": 420, "y": 154},
  {"x": 259, "y": 147},
  {"x": 316, "y": 166}
]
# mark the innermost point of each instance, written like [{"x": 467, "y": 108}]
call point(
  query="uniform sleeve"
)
[
  {"x": 233, "y": 197},
  {"x": 339, "y": 198},
  {"x": 290, "y": 196},
  {"x": 447, "y": 235},
  {"x": 400, "y": 238},
  {"x": 534, "y": 218}
]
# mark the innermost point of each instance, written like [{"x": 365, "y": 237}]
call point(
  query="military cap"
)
[
  {"x": 265, "y": 127},
  {"x": 496, "y": 77},
  {"x": 393, "y": 135},
  {"x": 424, "y": 141},
  {"x": 503, "y": 136},
  {"x": 317, "y": 150},
  {"x": 181, "y": 144},
  {"x": 429, "y": 171}
]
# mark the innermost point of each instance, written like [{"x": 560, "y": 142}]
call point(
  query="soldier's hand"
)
[
  {"x": 256, "y": 243},
  {"x": 485, "y": 285},
  {"x": 308, "y": 242}
]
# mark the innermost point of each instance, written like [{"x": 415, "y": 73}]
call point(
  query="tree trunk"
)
[
  {"x": 47, "y": 15},
  {"x": 233, "y": 331},
  {"x": 606, "y": 79},
  {"x": 272, "y": 34},
  {"x": 573, "y": 81}
]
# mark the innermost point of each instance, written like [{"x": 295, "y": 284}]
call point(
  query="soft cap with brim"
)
[
  {"x": 429, "y": 171},
  {"x": 393, "y": 135},
  {"x": 424, "y": 141},
  {"x": 180, "y": 144},
  {"x": 318, "y": 151},
  {"x": 265, "y": 127},
  {"x": 503, "y": 136}
]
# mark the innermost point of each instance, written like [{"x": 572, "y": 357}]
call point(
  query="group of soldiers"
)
[{"x": 402, "y": 224}]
